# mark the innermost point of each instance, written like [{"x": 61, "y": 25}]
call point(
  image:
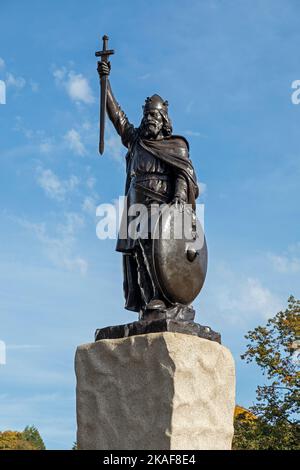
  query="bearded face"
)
[{"x": 152, "y": 124}]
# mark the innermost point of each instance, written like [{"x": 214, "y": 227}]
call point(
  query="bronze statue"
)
[{"x": 161, "y": 278}]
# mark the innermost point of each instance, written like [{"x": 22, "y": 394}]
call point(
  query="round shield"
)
[{"x": 179, "y": 254}]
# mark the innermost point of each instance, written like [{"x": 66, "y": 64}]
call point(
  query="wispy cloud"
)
[
  {"x": 74, "y": 142},
  {"x": 191, "y": 133},
  {"x": 15, "y": 82},
  {"x": 114, "y": 146},
  {"x": 23, "y": 346},
  {"x": 145, "y": 76},
  {"x": 75, "y": 84},
  {"x": 2, "y": 92},
  {"x": 34, "y": 86},
  {"x": 189, "y": 106},
  {"x": 89, "y": 205},
  {"x": 46, "y": 145},
  {"x": 53, "y": 186},
  {"x": 60, "y": 247},
  {"x": 202, "y": 188},
  {"x": 242, "y": 298},
  {"x": 287, "y": 262},
  {"x": 77, "y": 140},
  {"x": 90, "y": 182},
  {"x": 40, "y": 141}
]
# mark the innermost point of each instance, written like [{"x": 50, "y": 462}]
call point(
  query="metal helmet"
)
[{"x": 156, "y": 102}]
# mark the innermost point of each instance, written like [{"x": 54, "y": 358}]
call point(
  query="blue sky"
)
[{"x": 226, "y": 68}]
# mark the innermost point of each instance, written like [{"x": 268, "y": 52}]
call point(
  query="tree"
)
[
  {"x": 13, "y": 440},
  {"x": 29, "y": 439},
  {"x": 275, "y": 349},
  {"x": 31, "y": 434}
]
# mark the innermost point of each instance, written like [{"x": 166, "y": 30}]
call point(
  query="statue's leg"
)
[
  {"x": 144, "y": 279},
  {"x": 155, "y": 300}
]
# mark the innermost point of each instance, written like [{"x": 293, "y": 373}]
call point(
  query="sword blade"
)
[{"x": 102, "y": 112}]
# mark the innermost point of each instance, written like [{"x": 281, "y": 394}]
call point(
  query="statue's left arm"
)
[
  {"x": 181, "y": 188},
  {"x": 185, "y": 188}
]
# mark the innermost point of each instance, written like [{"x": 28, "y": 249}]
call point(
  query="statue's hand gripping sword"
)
[{"x": 104, "y": 54}]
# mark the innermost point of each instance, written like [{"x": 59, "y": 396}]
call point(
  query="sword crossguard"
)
[{"x": 105, "y": 53}]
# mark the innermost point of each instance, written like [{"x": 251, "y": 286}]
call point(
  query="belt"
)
[
  {"x": 137, "y": 178},
  {"x": 152, "y": 194}
]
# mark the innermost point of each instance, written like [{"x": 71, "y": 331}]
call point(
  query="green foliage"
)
[
  {"x": 274, "y": 347},
  {"x": 31, "y": 434},
  {"x": 261, "y": 435},
  {"x": 29, "y": 439}
]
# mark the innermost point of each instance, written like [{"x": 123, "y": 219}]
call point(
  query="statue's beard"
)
[{"x": 150, "y": 130}]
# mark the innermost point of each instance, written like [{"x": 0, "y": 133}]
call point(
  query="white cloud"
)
[
  {"x": 23, "y": 346},
  {"x": 288, "y": 262},
  {"x": 194, "y": 134},
  {"x": 260, "y": 297},
  {"x": 21, "y": 127},
  {"x": 46, "y": 146},
  {"x": 40, "y": 142},
  {"x": 34, "y": 86},
  {"x": 91, "y": 181},
  {"x": 72, "y": 222},
  {"x": 189, "y": 106},
  {"x": 144, "y": 77},
  {"x": 59, "y": 74},
  {"x": 78, "y": 139},
  {"x": 202, "y": 187},
  {"x": 252, "y": 296},
  {"x": 79, "y": 88},
  {"x": 86, "y": 125},
  {"x": 2, "y": 92},
  {"x": 59, "y": 248},
  {"x": 16, "y": 82},
  {"x": 53, "y": 186},
  {"x": 241, "y": 299},
  {"x": 75, "y": 264},
  {"x": 284, "y": 264},
  {"x": 89, "y": 205},
  {"x": 114, "y": 146},
  {"x": 73, "y": 140},
  {"x": 75, "y": 84}
]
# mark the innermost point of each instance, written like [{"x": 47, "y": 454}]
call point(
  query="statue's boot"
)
[{"x": 155, "y": 304}]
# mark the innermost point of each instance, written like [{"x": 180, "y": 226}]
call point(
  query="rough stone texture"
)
[
  {"x": 156, "y": 391},
  {"x": 157, "y": 326}
]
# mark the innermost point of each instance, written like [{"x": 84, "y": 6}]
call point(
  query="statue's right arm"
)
[{"x": 119, "y": 119}]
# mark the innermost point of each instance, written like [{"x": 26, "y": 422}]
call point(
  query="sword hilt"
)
[
  {"x": 105, "y": 42},
  {"x": 105, "y": 53}
]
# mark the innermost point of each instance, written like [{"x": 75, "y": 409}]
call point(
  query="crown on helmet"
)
[{"x": 156, "y": 102}]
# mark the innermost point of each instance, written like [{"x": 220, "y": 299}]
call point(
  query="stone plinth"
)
[
  {"x": 155, "y": 391},
  {"x": 162, "y": 325}
]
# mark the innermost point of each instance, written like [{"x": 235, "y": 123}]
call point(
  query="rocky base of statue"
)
[
  {"x": 156, "y": 391},
  {"x": 163, "y": 325},
  {"x": 178, "y": 319}
]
